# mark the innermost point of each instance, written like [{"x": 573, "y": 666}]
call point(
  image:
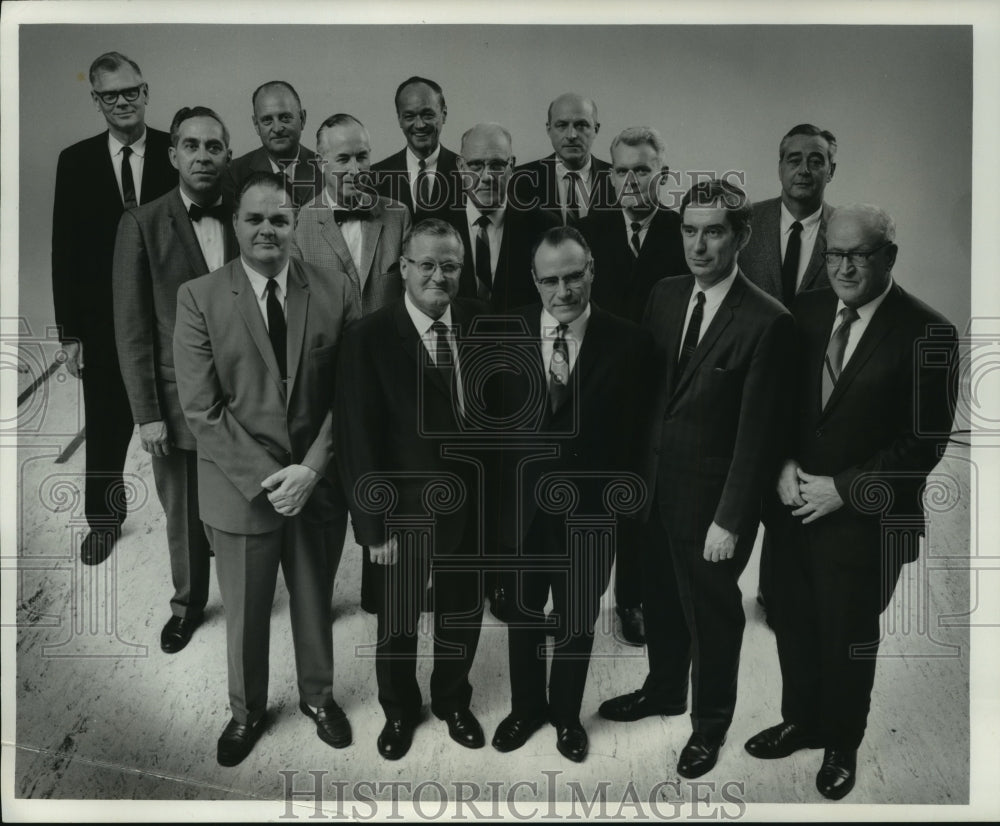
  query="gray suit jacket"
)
[
  {"x": 155, "y": 252},
  {"x": 319, "y": 242},
  {"x": 760, "y": 260}
]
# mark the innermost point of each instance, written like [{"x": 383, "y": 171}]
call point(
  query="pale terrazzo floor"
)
[{"x": 102, "y": 713}]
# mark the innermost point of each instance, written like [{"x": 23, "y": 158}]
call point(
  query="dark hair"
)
[
  {"x": 283, "y": 83},
  {"x": 812, "y": 132},
  {"x": 339, "y": 119},
  {"x": 554, "y": 236},
  {"x": 715, "y": 192},
  {"x": 436, "y": 228},
  {"x": 109, "y": 61},
  {"x": 188, "y": 112},
  {"x": 272, "y": 180},
  {"x": 417, "y": 79}
]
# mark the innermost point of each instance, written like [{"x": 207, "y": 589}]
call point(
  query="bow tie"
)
[
  {"x": 219, "y": 212},
  {"x": 341, "y": 215}
]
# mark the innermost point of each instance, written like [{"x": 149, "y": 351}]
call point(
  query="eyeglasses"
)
[
  {"x": 496, "y": 167},
  {"x": 131, "y": 94},
  {"x": 427, "y": 267},
  {"x": 858, "y": 258},
  {"x": 572, "y": 280}
]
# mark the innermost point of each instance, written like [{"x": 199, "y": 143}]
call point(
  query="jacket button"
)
[{"x": 819, "y": 433}]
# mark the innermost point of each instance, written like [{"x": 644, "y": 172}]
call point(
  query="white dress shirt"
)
[
  {"x": 136, "y": 161},
  {"x": 575, "y": 332},
  {"x": 858, "y": 328},
  {"x": 423, "y": 323},
  {"x": 714, "y": 296},
  {"x": 350, "y": 230},
  {"x": 643, "y": 229},
  {"x": 582, "y": 187},
  {"x": 210, "y": 234},
  {"x": 494, "y": 231},
  {"x": 258, "y": 283},
  {"x": 807, "y": 237},
  {"x": 413, "y": 169}
]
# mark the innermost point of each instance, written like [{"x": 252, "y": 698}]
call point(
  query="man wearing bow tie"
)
[{"x": 160, "y": 245}]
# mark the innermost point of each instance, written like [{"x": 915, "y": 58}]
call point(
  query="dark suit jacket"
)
[
  {"x": 156, "y": 251},
  {"x": 535, "y": 185},
  {"x": 307, "y": 184},
  {"x": 394, "y": 420},
  {"x": 760, "y": 259},
  {"x": 85, "y": 217},
  {"x": 887, "y": 419},
  {"x": 513, "y": 285},
  {"x": 716, "y": 426},
  {"x": 247, "y": 421},
  {"x": 596, "y": 431},
  {"x": 319, "y": 241},
  {"x": 391, "y": 181},
  {"x": 621, "y": 281}
]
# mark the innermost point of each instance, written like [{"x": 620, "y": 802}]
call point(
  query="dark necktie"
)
[
  {"x": 444, "y": 362},
  {"x": 484, "y": 273},
  {"x": 834, "y": 361},
  {"x": 559, "y": 369},
  {"x": 128, "y": 182},
  {"x": 423, "y": 189},
  {"x": 690, "y": 341},
  {"x": 276, "y": 327},
  {"x": 341, "y": 215},
  {"x": 572, "y": 199},
  {"x": 636, "y": 243},
  {"x": 790, "y": 265},
  {"x": 218, "y": 211}
]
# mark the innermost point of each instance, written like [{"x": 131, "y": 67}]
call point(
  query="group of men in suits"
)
[{"x": 293, "y": 345}]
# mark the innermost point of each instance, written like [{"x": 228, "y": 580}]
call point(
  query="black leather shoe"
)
[
  {"x": 332, "y": 724},
  {"x": 780, "y": 741},
  {"x": 699, "y": 756},
  {"x": 513, "y": 732},
  {"x": 836, "y": 776},
  {"x": 237, "y": 741},
  {"x": 571, "y": 740},
  {"x": 464, "y": 728},
  {"x": 395, "y": 738},
  {"x": 635, "y": 706},
  {"x": 633, "y": 626},
  {"x": 498, "y": 603},
  {"x": 177, "y": 633},
  {"x": 98, "y": 544}
]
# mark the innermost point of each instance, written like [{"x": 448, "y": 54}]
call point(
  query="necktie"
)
[
  {"x": 690, "y": 341},
  {"x": 423, "y": 188},
  {"x": 834, "y": 361},
  {"x": 790, "y": 265},
  {"x": 636, "y": 243},
  {"x": 559, "y": 369},
  {"x": 276, "y": 327},
  {"x": 484, "y": 273},
  {"x": 128, "y": 182},
  {"x": 572, "y": 200},
  {"x": 341, "y": 215},
  {"x": 444, "y": 362},
  {"x": 218, "y": 211}
]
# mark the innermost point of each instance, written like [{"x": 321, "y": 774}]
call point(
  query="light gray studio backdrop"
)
[{"x": 898, "y": 98}]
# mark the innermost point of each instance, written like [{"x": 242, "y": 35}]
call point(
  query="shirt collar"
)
[
  {"x": 866, "y": 311},
  {"x": 583, "y": 172},
  {"x": 473, "y": 214},
  {"x": 421, "y": 320},
  {"x": 643, "y": 224},
  {"x": 413, "y": 162},
  {"x": 808, "y": 223},
  {"x": 138, "y": 148},
  {"x": 719, "y": 290},
  {"x": 576, "y": 328},
  {"x": 187, "y": 201},
  {"x": 274, "y": 164},
  {"x": 258, "y": 282}
]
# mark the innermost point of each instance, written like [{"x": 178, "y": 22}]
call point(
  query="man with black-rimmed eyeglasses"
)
[{"x": 97, "y": 179}]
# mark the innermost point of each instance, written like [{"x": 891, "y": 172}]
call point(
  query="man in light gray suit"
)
[
  {"x": 351, "y": 229},
  {"x": 160, "y": 245}
]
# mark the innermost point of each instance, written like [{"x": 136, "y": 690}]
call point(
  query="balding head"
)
[
  {"x": 572, "y": 126},
  {"x": 860, "y": 252},
  {"x": 486, "y": 162}
]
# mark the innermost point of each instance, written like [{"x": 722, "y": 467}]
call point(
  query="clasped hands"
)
[
  {"x": 289, "y": 489},
  {"x": 812, "y": 496}
]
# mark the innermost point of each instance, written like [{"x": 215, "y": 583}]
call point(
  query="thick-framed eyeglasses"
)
[
  {"x": 495, "y": 167},
  {"x": 427, "y": 266},
  {"x": 131, "y": 94},
  {"x": 857, "y": 258},
  {"x": 571, "y": 280}
]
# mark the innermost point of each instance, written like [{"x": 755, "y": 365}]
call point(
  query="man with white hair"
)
[{"x": 871, "y": 415}]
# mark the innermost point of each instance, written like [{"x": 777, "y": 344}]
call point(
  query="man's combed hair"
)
[
  {"x": 282, "y": 83},
  {"x": 813, "y": 132},
  {"x": 436, "y": 88},
  {"x": 639, "y": 136},
  {"x": 271, "y": 180},
  {"x": 338, "y": 119},
  {"x": 188, "y": 112},
  {"x": 435, "y": 228},
  {"x": 554, "y": 236},
  {"x": 723, "y": 195},
  {"x": 109, "y": 62}
]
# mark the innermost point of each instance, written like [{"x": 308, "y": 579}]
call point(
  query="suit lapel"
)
[
  {"x": 414, "y": 348},
  {"x": 185, "y": 234},
  {"x": 371, "y": 231},
  {"x": 814, "y": 276},
  {"x": 335, "y": 238},
  {"x": 772, "y": 229},
  {"x": 246, "y": 303},
  {"x": 106, "y": 173},
  {"x": 723, "y": 316},
  {"x": 673, "y": 323},
  {"x": 296, "y": 311}
]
